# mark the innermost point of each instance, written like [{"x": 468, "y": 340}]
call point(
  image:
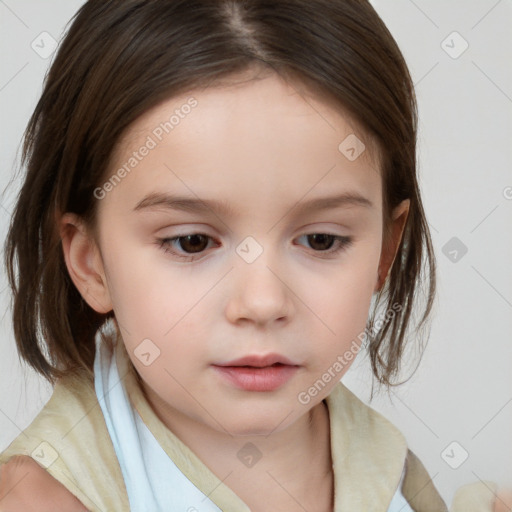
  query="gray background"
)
[{"x": 462, "y": 390}]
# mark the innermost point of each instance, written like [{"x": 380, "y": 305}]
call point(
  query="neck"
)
[{"x": 269, "y": 467}]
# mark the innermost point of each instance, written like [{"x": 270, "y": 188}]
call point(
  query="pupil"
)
[
  {"x": 194, "y": 241},
  {"x": 322, "y": 239}
]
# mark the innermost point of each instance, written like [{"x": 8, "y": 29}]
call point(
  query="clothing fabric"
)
[
  {"x": 101, "y": 439},
  {"x": 143, "y": 461}
]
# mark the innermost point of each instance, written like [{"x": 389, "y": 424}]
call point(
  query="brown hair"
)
[{"x": 120, "y": 58}]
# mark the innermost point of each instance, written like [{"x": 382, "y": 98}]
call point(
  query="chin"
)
[
  {"x": 261, "y": 423},
  {"x": 252, "y": 430}
]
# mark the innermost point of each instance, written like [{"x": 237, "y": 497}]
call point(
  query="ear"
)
[
  {"x": 84, "y": 263},
  {"x": 390, "y": 246}
]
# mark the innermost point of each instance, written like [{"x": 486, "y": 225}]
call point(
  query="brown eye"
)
[
  {"x": 321, "y": 241},
  {"x": 327, "y": 245},
  {"x": 184, "y": 247},
  {"x": 193, "y": 243}
]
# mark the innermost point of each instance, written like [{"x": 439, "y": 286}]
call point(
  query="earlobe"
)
[
  {"x": 84, "y": 263},
  {"x": 389, "y": 249}
]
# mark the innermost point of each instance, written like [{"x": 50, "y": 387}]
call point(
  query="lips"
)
[
  {"x": 258, "y": 372},
  {"x": 259, "y": 361}
]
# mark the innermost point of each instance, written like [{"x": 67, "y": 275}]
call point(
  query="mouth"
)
[
  {"x": 259, "y": 361},
  {"x": 257, "y": 373}
]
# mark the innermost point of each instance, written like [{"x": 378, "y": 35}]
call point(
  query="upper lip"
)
[{"x": 259, "y": 361}]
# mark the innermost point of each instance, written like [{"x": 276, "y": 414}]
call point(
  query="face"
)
[{"x": 266, "y": 263}]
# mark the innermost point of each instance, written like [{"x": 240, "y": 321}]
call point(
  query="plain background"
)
[{"x": 462, "y": 391}]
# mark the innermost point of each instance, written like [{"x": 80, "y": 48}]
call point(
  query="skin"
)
[
  {"x": 26, "y": 487},
  {"x": 262, "y": 146},
  {"x": 503, "y": 502}
]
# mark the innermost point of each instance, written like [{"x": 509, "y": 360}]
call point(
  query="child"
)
[{"x": 282, "y": 136}]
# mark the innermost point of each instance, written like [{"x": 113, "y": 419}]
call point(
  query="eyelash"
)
[{"x": 344, "y": 242}]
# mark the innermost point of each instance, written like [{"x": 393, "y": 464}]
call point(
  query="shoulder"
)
[
  {"x": 69, "y": 442},
  {"x": 26, "y": 486},
  {"x": 73, "y": 398}
]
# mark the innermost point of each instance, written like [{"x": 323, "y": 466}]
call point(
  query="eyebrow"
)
[{"x": 159, "y": 201}]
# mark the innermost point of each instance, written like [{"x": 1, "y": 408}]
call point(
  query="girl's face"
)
[{"x": 259, "y": 170}]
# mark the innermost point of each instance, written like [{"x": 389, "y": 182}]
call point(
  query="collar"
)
[{"x": 368, "y": 452}]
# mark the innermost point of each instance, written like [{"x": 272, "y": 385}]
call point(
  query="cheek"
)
[
  {"x": 342, "y": 295},
  {"x": 343, "y": 302},
  {"x": 141, "y": 294},
  {"x": 153, "y": 298}
]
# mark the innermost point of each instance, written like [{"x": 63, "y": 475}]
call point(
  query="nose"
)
[{"x": 259, "y": 293}]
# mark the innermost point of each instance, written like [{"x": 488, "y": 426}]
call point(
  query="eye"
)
[
  {"x": 195, "y": 243},
  {"x": 192, "y": 243},
  {"x": 328, "y": 243}
]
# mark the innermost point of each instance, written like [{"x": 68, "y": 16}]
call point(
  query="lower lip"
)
[{"x": 248, "y": 378}]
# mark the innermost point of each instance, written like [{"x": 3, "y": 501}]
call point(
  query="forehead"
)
[{"x": 252, "y": 141}]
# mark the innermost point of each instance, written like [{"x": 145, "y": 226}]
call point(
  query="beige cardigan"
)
[{"x": 70, "y": 439}]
